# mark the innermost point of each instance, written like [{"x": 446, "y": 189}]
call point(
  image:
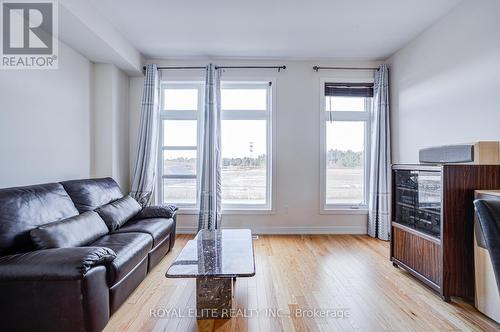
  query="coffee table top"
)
[{"x": 225, "y": 253}]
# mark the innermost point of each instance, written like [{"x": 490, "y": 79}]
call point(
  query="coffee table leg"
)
[{"x": 214, "y": 297}]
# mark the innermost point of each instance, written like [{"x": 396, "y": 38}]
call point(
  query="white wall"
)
[
  {"x": 136, "y": 85},
  {"x": 121, "y": 167},
  {"x": 297, "y": 140},
  {"x": 110, "y": 124},
  {"x": 446, "y": 83},
  {"x": 93, "y": 36},
  {"x": 45, "y": 122},
  {"x": 102, "y": 120}
]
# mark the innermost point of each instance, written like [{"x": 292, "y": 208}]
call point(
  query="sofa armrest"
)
[
  {"x": 158, "y": 211},
  {"x": 54, "y": 264}
]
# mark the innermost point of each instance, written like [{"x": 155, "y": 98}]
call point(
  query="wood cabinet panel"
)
[
  {"x": 446, "y": 261},
  {"x": 418, "y": 253},
  {"x": 459, "y": 184}
]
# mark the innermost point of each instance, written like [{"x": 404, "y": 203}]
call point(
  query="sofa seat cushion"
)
[
  {"x": 157, "y": 228},
  {"x": 130, "y": 250}
]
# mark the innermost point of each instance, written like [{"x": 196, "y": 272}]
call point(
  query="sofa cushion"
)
[
  {"x": 157, "y": 228},
  {"x": 130, "y": 250},
  {"x": 71, "y": 232},
  {"x": 117, "y": 213},
  {"x": 158, "y": 211},
  {"x": 24, "y": 208},
  {"x": 90, "y": 194}
]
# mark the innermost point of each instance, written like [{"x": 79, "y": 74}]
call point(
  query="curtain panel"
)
[
  {"x": 144, "y": 178},
  {"x": 379, "y": 202},
  {"x": 211, "y": 163}
]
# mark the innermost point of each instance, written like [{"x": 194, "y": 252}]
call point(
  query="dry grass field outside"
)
[{"x": 248, "y": 185}]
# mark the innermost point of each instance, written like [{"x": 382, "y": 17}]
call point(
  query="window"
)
[
  {"x": 345, "y": 136},
  {"x": 245, "y": 139},
  {"x": 178, "y": 158},
  {"x": 246, "y": 142}
]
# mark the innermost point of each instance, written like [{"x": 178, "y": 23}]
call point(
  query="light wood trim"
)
[
  {"x": 486, "y": 153},
  {"x": 494, "y": 193}
]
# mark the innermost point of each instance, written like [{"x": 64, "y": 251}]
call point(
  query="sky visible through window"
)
[
  {"x": 345, "y": 104},
  {"x": 240, "y": 138},
  {"x": 181, "y": 99},
  {"x": 244, "y": 99},
  {"x": 345, "y": 136}
]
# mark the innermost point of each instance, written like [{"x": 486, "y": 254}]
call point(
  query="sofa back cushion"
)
[
  {"x": 71, "y": 232},
  {"x": 90, "y": 194},
  {"x": 25, "y": 208},
  {"x": 117, "y": 213}
]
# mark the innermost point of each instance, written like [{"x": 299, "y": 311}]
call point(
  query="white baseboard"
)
[{"x": 291, "y": 230}]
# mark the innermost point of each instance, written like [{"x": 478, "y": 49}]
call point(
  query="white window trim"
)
[
  {"x": 270, "y": 116},
  {"x": 342, "y": 116},
  {"x": 180, "y": 115}
]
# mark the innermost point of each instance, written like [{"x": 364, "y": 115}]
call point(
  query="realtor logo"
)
[{"x": 29, "y": 35}]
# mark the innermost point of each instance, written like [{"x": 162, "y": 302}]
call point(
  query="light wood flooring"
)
[{"x": 347, "y": 278}]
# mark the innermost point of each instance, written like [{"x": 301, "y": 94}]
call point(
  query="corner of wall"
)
[
  {"x": 92, "y": 119},
  {"x": 111, "y": 124}
]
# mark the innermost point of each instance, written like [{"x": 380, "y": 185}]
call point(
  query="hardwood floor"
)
[{"x": 347, "y": 276}]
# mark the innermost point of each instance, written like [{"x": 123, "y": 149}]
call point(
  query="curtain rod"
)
[
  {"x": 251, "y": 67},
  {"x": 172, "y": 67},
  {"x": 221, "y": 67},
  {"x": 317, "y": 68}
]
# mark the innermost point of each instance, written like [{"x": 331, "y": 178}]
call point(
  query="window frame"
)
[
  {"x": 338, "y": 208},
  {"x": 240, "y": 83},
  {"x": 268, "y": 115},
  {"x": 180, "y": 115}
]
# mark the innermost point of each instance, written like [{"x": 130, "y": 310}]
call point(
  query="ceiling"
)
[{"x": 292, "y": 29}]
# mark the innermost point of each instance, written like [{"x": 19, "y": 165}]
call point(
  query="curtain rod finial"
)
[{"x": 315, "y": 68}]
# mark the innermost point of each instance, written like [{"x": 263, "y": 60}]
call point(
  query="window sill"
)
[
  {"x": 341, "y": 210},
  {"x": 187, "y": 211},
  {"x": 247, "y": 211}
]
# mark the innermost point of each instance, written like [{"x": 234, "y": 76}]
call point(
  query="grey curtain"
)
[
  {"x": 143, "y": 181},
  {"x": 210, "y": 180},
  {"x": 380, "y": 159}
]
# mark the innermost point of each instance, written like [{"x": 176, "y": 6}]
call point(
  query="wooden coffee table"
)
[{"x": 215, "y": 259}]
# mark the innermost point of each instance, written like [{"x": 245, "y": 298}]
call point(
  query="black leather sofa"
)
[
  {"x": 487, "y": 228},
  {"x": 72, "y": 252}
]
